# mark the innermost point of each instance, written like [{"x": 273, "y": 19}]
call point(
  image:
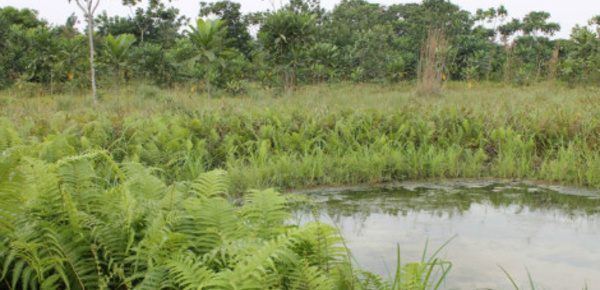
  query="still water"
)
[{"x": 552, "y": 232}]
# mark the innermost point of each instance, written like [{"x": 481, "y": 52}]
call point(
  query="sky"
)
[{"x": 566, "y": 13}]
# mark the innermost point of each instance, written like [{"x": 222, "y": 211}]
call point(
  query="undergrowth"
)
[
  {"x": 89, "y": 222},
  {"x": 137, "y": 197},
  {"x": 327, "y": 138}
]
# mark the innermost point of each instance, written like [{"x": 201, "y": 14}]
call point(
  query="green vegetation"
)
[
  {"x": 297, "y": 44},
  {"x": 326, "y": 135},
  {"x": 128, "y": 189},
  {"x": 120, "y": 195}
]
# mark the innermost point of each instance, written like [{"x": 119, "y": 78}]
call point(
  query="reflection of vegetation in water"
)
[{"x": 451, "y": 201}]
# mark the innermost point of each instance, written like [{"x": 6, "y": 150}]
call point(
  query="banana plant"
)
[{"x": 71, "y": 56}]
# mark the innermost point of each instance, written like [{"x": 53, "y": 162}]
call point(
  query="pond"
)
[{"x": 551, "y": 232}]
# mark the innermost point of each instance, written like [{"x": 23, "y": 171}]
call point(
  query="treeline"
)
[{"x": 301, "y": 43}]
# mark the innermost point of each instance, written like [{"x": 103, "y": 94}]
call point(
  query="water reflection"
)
[{"x": 556, "y": 236}]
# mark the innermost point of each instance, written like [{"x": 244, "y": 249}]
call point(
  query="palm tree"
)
[
  {"x": 207, "y": 38},
  {"x": 117, "y": 54}
]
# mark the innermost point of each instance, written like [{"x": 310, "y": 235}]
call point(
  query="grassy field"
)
[
  {"x": 328, "y": 135},
  {"x": 125, "y": 194}
]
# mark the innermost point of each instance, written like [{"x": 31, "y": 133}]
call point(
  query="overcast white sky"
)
[{"x": 567, "y": 13}]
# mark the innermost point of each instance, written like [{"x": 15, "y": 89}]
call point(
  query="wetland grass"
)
[{"x": 123, "y": 176}]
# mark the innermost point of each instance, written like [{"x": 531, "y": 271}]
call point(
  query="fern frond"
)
[
  {"x": 210, "y": 223},
  {"x": 11, "y": 187},
  {"x": 8, "y": 136},
  {"x": 142, "y": 184},
  {"x": 153, "y": 279},
  {"x": 56, "y": 147},
  {"x": 189, "y": 273},
  {"x": 80, "y": 261},
  {"x": 266, "y": 211},
  {"x": 321, "y": 244},
  {"x": 258, "y": 268},
  {"x": 305, "y": 277},
  {"x": 43, "y": 197},
  {"x": 209, "y": 184},
  {"x": 159, "y": 242}
]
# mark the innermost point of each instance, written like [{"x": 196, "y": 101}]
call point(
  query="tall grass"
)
[{"x": 328, "y": 135}]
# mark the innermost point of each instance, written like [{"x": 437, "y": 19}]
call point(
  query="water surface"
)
[{"x": 552, "y": 233}]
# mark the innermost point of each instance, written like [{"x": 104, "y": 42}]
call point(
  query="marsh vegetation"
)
[{"x": 168, "y": 177}]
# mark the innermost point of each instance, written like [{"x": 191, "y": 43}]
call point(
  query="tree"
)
[
  {"x": 237, "y": 26},
  {"x": 207, "y": 38},
  {"x": 115, "y": 25},
  {"x": 534, "y": 49},
  {"x": 312, "y": 7},
  {"x": 117, "y": 54},
  {"x": 537, "y": 22},
  {"x": 492, "y": 17},
  {"x": 412, "y": 23},
  {"x": 582, "y": 61},
  {"x": 89, "y": 8},
  {"x": 283, "y": 35},
  {"x": 157, "y": 23},
  {"x": 26, "y": 18},
  {"x": 71, "y": 56},
  {"x": 41, "y": 55}
]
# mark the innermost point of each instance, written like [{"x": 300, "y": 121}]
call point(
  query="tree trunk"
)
[
  {"x": 90, "y": 18},
  {"x": 207, "y": 82},
  {"x": 88, "y": 10}
]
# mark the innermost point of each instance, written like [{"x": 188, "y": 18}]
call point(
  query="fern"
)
[
  {"x": 209, "y": 184},
  {"x": 152, "y": 279},
  {"x": 305, "y": 277},
  {"x": 8, "y": 136},
  {"x": 43, "y": 198},
  {"x": 69, "y": 224},
  {"x": 142, "y": 184},
  {"x": 188, "y": 273},
  {"x": 266, "y": 211},
  {"x": 11, "y": 186},
  {"x": 211, "y": 223},
  {"x": 322, "y": 245}
]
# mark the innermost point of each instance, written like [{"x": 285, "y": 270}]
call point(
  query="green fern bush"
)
[{"x": 88, "y": 222}]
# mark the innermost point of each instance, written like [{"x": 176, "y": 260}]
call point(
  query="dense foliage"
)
[
  {"x": 85, "y": 222},
  {"x": 115, "y": 199},
  {"x": 301, "y": 43},
  {"x": 99, "y": 200},
  {"x": 152, "y": 187}
]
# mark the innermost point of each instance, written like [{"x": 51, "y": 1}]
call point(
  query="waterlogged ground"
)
[{"x": 552, "y": 232}]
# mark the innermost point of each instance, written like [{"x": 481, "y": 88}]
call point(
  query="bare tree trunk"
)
[
  {"x": 92, "y": 63},
  {"x": 207, "y": 82},
  {"x": 89, "y": 9}
]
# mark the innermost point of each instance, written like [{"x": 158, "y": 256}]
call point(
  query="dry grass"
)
[
  {"x": 553, "y": 64},
  {"x": 490, "y": 98},
  {"x": 430, "y": 74}
]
